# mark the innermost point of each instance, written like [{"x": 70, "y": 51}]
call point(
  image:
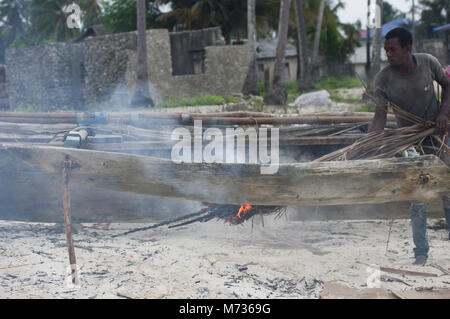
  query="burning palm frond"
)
[{"x": 228, "y": 212}]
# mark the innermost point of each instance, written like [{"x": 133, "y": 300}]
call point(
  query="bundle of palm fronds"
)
[
  {"x": 383, "y": 144},
  {"x": 388, "y": 143}
]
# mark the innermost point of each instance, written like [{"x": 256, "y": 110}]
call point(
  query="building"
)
[
  {"x": 100, "y": 71},
  {"x": 266, "y": 51}
]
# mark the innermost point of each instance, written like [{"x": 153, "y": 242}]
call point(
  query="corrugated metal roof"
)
[
  {"x": 385, "y": 28},
  {"x": 442, "y": 27}
]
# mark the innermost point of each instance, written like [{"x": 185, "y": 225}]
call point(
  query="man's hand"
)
[
  {"x": 442, "y": 123},
  {"x": 379, "y": 120}
]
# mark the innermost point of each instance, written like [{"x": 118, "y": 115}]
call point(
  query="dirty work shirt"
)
[{"x": 412, "y": 92}]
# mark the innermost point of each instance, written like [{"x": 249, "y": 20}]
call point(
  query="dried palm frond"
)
[{"x": 388, "y": 143}]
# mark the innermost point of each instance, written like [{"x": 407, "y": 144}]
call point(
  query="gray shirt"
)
[{"x": 412, "y": 92}]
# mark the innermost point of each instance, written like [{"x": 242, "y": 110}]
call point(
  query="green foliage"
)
[
  {"x": 434, "y": 13},
  {"x": 120, "y": 16},
  {"x": 369, "y": 107},
  {"x": 390, "y": 13},
  {"x": 230, "y": 15},
  {"x": 14, "y": 21},
  {"x": 204, "y": 99},
  {"x": 334, "y": 82}
]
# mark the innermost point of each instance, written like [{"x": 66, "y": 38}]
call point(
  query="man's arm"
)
[
  {"x": 379, "y": 120},
  {"x": 440, "y": 76},
  {"x": 443, "y": 116}
]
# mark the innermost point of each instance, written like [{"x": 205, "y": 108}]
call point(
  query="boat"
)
[{"x": 310, "y": 183}]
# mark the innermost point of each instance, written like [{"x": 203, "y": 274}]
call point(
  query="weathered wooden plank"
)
[{"x": 327, "y": 183}]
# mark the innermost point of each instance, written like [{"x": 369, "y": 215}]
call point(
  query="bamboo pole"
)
[{"x": 186, "y": 119}]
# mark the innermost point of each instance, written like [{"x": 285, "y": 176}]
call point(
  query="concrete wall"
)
[
  {"x": 435, "y": 47},
  {"x": 101, "y": 72},
  {"x": 225, "y": 70},
  {"x": 188, "y": 49},
  {"x": 45, "y": 76}
]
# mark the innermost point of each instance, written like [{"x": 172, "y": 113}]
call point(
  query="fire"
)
[{"x": 244, "y": 210}]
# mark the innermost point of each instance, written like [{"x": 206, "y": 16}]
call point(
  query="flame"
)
[{"x": 244, "y": 210}]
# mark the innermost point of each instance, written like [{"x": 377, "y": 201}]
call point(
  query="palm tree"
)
[
  {"x": 251, "y": 85},
  {"x": 197, "y": 14},
  {"x": 14, "y": 21},
  {"x": 377, "y": 39},
  {"x": 228, "y": 14},
  {"x": 142, "y": 92},
  {"x": 303, "y": 55},
  {"x": 318, "y": 28},
  {"x": 49, "y": 19},
  {"x": 181, "y": 14},
  {"x": 92, "y": 11},
  {"x": 277, "y": 94}
]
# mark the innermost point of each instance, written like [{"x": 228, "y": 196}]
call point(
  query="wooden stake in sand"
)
[{"x": 66, "y": 204}]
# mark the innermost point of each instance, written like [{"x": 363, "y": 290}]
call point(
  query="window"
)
[{"x": 260, "y": 67}]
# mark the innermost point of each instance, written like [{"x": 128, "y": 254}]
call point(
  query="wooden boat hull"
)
[
  {"x": 27, "y": 194},
  {"x": 326, "y": 183}
]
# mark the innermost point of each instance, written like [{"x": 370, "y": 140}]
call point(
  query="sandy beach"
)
[{"x": 285, "y": 258}]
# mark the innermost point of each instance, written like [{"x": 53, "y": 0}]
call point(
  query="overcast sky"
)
[{"x": 357, "y": 9}]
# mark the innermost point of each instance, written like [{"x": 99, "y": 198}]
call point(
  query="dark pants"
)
[{"x": 419, "y": 216}]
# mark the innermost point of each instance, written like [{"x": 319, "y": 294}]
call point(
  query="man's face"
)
[{"x": 395, "y": 53}]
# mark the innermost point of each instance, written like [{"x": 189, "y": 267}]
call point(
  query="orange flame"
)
[{"x": 244, "y": 210}]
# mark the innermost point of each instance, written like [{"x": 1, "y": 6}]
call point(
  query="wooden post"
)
[{"x": 66, "y": 205}]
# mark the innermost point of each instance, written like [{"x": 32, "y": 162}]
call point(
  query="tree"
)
[
  {"x": 228, "y": 14},
  {"x": 121, "y": 16},
  {"x": 390, "y": 13},
  {"x": 251, "y": 85},
  {"x": 14, "y": 23},
  {"x": 435, "y": 13},
  {"x": 318, "y": 28},
  {"x": 49, "y": 21},
  {"x": 277, "y": 94},
  {"x": 181, "y": 14},
  {"x": 142, "y": 91},
  {"x": 304, "y": 64},
  {"x": 377, "y": 42}
]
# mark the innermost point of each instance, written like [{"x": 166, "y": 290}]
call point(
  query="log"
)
[
  {"x": 323, "y": 183},
  {"x": 156, "y": 119}
]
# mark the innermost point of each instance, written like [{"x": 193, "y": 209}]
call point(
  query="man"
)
[{"x": 408, "y": 82}]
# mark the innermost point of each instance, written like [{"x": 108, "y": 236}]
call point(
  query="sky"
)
[{"x": 357, "y": 9}]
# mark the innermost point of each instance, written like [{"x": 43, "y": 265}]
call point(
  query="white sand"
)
[{"x": 284, "y": 259}]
